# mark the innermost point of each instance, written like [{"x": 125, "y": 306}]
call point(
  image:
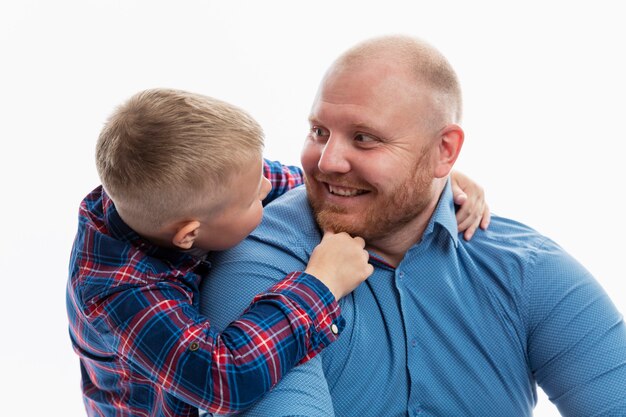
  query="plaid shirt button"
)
[
  {"x": 334, "y": 328},
  {"x": 194, "y": 346}
]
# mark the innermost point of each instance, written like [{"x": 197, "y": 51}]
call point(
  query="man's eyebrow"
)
[
  {"x": 367, "y": 128},
  {"x": 360, "y": 125}
]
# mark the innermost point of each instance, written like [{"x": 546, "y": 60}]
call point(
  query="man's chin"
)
[
  {"x": 338, "y": 222},
  {"x": 336, "y": 218}
]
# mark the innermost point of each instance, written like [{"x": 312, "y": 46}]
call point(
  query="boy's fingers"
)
[
  {"x": 469, "y": 233},
  {"x": 464, "y": 217},
  {"x": 459, "y": 196},
  {"x": 484, "y": 223},
  {"x": 470, "y": 222}
]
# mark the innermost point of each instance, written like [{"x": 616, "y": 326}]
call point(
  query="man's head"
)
[
  {"x": 384, "y": 137},
  {"x": 169, "y": 160}
]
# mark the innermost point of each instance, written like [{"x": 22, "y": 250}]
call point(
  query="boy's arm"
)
[
  {"x": 159, "y": 331},
  {"x": 304, "y": 391},
  {"x": 282, "y": 177},
  {"x": 472, "y": 209}
]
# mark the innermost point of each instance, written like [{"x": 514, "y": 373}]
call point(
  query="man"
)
[{"x": 444, "y": 327}]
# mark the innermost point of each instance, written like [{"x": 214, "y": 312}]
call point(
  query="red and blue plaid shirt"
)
[{"x": 144, "y": 348}]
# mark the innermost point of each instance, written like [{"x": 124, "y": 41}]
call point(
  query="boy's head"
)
[{"x": 178, "y": 165}]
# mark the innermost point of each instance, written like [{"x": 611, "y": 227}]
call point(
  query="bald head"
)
[{"x": 422, "y": 62}]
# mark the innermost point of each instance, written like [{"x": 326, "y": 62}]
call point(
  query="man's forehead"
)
[
  {"x": 364, "y": 94},
  {"x": 369, "y": 78},
  {"x": 376, "y": 67}
]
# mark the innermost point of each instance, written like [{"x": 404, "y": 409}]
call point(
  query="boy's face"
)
[{"x": 240, "y": 213}]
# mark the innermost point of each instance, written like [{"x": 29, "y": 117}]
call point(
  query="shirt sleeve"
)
[
  {"x": 282, "y": 177},
  {"x": 159, "y": 332},
  {"x": 304, "y": 390},
  {"x": 576, "y": 337}
]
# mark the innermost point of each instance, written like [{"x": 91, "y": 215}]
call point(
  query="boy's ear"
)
[
  {"x": 186, "y": 234},
  {"x": 449, "y": 147}
]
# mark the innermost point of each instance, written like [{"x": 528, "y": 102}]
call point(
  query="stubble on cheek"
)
[{"x": 385, "y": 215}]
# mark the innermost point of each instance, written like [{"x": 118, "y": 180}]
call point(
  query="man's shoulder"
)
[
  {"x": 520, "y": 266},
  {"x": 513, "y": 232},
  {"x": 507, "y": 241}
]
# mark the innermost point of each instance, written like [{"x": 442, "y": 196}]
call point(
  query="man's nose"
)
[{"x": 335, "y": 157}]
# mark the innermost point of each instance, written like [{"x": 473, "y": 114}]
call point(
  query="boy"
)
[{"x": 182, "y": 175}]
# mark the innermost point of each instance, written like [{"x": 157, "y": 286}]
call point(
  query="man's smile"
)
[{"x": 344, "y": 191}]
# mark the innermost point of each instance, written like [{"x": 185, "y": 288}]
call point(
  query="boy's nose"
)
[{"x": 266, "y": 187}]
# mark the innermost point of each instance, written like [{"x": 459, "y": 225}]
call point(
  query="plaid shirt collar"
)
[{"x": 119, "y": 230}]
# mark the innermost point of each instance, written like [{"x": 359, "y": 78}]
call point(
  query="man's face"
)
[{"x": 368, "y": 158}]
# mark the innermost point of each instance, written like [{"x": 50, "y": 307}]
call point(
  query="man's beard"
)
[{"x": 387, "y": 214}]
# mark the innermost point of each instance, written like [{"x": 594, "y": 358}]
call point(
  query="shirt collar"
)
[
  {"x": 445, "y": 215},
  {"x": 120, "y": 230}
]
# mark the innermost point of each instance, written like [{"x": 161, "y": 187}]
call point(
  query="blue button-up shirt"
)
[{"x": 456, "y": 329}]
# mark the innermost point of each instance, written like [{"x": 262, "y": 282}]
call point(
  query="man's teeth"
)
[{"x": 344, "y": 192}]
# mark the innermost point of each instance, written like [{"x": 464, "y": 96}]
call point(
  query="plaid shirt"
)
[{"x": 144, "y": 348}]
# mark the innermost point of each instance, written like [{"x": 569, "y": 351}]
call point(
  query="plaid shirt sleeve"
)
[
  {"x": 160, "y": 333},
  {"x": 282, "y": 177},
  {"x": 133, "y": 315}
]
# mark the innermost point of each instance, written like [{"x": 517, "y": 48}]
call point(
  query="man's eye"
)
[
  {"x": 318, "y": 131},
  {"x": 363, "y": 138}
]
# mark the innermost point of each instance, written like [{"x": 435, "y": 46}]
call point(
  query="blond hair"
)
[
  {"x": 163, "y": 152},
  {"x": 427, "y": 65}
]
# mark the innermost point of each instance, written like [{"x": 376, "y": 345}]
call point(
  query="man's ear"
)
[
  {"x": 186, "y": 234},
  {"x": 448, "y": 149}
]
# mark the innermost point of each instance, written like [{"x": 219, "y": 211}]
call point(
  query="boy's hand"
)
[
  {"x": 340, "y": 262},
  {"x": 473, "y": 211}
]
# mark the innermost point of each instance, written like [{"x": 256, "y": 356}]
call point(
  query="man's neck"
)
[{"x": 395, "y": 245}]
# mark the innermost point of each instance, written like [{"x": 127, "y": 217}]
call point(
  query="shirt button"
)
[
  {"x": 194, "y": 346},
  {"x": 401, "y": 274},
  {"x": 334, "y": 328},
  {"x": 413, "y": 342}
]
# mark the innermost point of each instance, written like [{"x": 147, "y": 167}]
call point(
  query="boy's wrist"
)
[{"x": 313, "y": 298}]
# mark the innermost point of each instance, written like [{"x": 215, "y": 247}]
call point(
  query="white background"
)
[{"x": 544, "y": 118}]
